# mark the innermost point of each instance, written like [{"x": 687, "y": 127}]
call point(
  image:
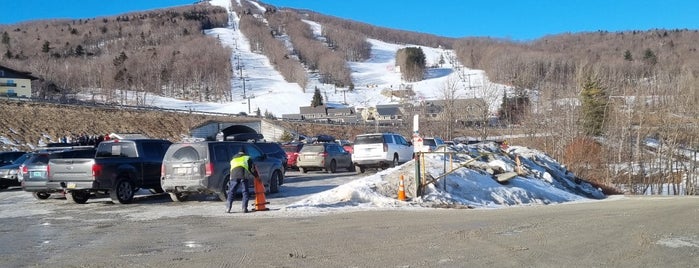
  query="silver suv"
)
[
  {"x": 204, "y": 167},
  {"x": 380, "y": 150}
]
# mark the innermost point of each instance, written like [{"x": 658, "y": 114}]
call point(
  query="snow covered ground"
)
[{"x": 543, "y": 180}]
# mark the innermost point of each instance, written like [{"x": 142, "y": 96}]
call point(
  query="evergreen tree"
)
[
  {"x": 317, "y": 98},
  {"x": 46, "y": 47},
  {"x": 79, "y": 51},
  {"x": 627, "y": 55},
  {"x": 412, "y": 63},
  {"x": 649, "y": 57},
  {"x": 269, "y": 115},
  {"x": 286, "y": 136},
  {"x": 5, "y": 38},
  {"x": 119, "y": 60},
  {"x": 594, "y": 100},
  {"x": 258, "y": 113}
]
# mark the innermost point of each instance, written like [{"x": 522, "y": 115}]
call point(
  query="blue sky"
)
[{"x": 518, "y": 20}]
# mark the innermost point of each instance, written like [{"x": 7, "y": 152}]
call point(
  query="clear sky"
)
[{"x": 513, "y": 19}]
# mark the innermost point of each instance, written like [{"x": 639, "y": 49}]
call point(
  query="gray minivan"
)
[{"x": 204, "y": 167}]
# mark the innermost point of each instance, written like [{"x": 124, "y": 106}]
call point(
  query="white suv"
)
[{"x": 380, "y": 150}]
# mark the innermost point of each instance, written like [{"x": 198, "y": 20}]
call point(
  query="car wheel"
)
[
  {"x": 78, "y": 197},
  {"x": 178, "y": 197},
  {"x": 274, "y": 182},
  {"x": 41, "y": 195},
  {"x": 303, "y": 170},
  {"x": 123, "y": 192},
  {"x": 394, "y": 163},
  {"x": 333, "y": 166},
  {"x": 223, "y": 194},
  {"x": 360, "y": 169}
]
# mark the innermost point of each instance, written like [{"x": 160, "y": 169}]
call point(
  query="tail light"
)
[
  {"x": 209, "y": 169},
  {"x": 23, "y": 169},
  {"x": 323, "y": 154},
  {"x": 385, "y": 147},
  {"x": 48, "y": 171},
  {"x": 96, "y": 170},
  {"x": 162, "y": 170}
]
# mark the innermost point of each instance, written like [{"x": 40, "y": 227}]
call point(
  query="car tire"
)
[
  {"x": 303, "y": 170},
  {"x": 123, "y": 191},
  {"x": 274, "y": 182},
  {"x": 333, "y": 166},
  {"x": 223, "y": 194},
  {"x": 41, "y": 195},
  {"x": 394, "y": 163},
  {"x": 78, "y": 197},
  {"x": 178, "y": 197},
  {"x": 360, "y": 169}
]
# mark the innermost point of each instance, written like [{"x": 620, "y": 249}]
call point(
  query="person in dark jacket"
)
[{"x": 242, "y": 169}]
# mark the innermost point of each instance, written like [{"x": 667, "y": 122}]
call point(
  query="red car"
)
[{"x": 292, "y": 153}]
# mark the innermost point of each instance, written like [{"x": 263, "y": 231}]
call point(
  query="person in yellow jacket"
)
[{"x": 242, "y": 169}]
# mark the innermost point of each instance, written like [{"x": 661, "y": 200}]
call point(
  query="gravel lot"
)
[{"x": 155, "y": 232}]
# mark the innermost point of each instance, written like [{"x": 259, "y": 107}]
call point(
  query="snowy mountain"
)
[{"x": 264, "y": 88}]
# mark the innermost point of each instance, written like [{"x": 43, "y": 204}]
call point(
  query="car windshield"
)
[
  {"x": 291, "y": 148},
  {"x": 313, "y": 148},
  {"x": 369, "y": 139},
  {"x": 21, "y": 159}
]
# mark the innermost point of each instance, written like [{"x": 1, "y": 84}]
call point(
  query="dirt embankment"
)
[
  {"x": 24, "y": 123},
  {"x": 28, "y": 122}
]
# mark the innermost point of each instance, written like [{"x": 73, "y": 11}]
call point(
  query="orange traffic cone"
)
[
  {"x": 401, "y": 189},
  {"x": 260, "y": 200}
]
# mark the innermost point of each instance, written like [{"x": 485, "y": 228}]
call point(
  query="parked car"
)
[
  {"x": 35, "y": 169},
  {"x": 9, "y": 174},
  {"x": 204, "y": 167},
  {"x": 324, "y": 156},
  {"x": 347, "y": 145},
  {"x": 6, "y": 158},
  {"x": 430, "y": 144},
  {"x": 274, "y": 149},
  {"x": 119, "y": 168},
  {"x": 380, "y": 150},
  {"x": 292, "y": 152}
]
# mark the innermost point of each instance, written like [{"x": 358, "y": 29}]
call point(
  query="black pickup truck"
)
[{"x": 119, "y": 169}]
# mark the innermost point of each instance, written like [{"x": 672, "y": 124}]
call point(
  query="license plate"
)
[
  {"x": 183, "y": 171},
  {"x": 72, "y": 186},
  {"x": 36, "y": 174}
]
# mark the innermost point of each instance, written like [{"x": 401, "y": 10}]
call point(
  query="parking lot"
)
[
  {"x": 15, "y": 202},
  {"x": 153, "y": 231}
]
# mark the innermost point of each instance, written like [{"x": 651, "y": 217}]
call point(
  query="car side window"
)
[
  {"x": 152, "y": 150},
  {"x": 388, "y": 139},
  {"x": 221, "y": 153},
  {"x": 399, "y": 139},
  {"x": 252, "y": 151}
]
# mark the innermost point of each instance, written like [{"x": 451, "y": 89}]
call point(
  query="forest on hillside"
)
[{"x": 589, "y": 99}]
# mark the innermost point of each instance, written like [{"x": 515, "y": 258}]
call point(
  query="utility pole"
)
[
  {"x": 240, "y": 68},
  {"x": 252, "y": 96}
]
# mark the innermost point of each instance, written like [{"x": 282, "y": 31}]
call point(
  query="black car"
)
[
  {"x": 273, "y": 149},
  {"x": 9, "y": 173},
  {"x": 6, "y": 158}
]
